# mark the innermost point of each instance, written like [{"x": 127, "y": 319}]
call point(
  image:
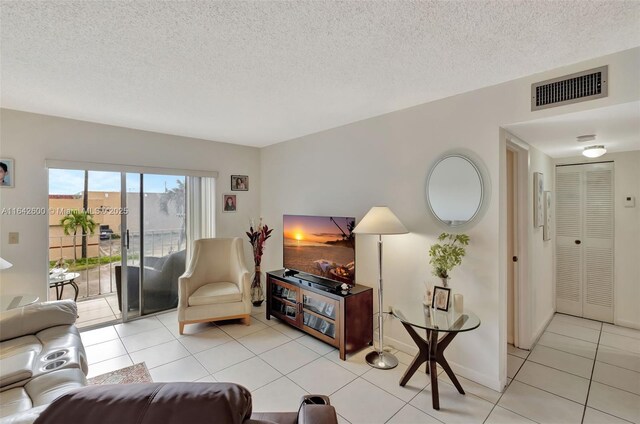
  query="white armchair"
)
[{"x": 216, "y": 285}]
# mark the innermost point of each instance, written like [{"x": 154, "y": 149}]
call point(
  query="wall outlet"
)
[
  {"x": 14, "y": 238},
  {"x": 629, "y": 201}
]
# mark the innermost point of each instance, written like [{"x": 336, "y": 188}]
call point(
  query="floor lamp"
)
[{"x": 380, "y": 221}]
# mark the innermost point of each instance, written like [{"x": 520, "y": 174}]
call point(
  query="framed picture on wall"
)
[
  {"x": 546, "y": 229},
  {"x": 239, "y": 183},
  {"x": 7, "y": 172},
  {"x": 229, "y": 203},
  {"x": 538, "y": 199}
]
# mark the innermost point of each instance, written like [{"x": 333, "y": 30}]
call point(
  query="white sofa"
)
[{"x": 41, "y": 356}]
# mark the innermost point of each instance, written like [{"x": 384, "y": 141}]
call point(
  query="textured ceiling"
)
[
  {"x": 257, "y": 73},
  {"x": 616, "y": 127}
]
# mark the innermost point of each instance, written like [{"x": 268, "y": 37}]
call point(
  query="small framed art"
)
[
  {"x": 440, "y": 298},
  {"x": 7, "y": 172},
  {"x": 546, "y": 229},
  {"x": 538, "y": 199},
  {"x": 239, "y": 183},
  {"x": 229, "y": 203}
]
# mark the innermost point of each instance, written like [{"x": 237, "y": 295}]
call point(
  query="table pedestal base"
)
[
  {"x": 431, "y": 352},
  {"x": 381, "y": 360}
]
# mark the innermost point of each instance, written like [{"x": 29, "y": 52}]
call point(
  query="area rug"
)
[{"x": 137, "y": 373}]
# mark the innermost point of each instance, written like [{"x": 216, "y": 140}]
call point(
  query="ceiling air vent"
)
[{"x": 574, "y": 88}]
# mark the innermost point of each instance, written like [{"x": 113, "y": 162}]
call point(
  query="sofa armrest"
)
[
  {"x": 244, "y": 283},
  {"x": 31, "y": 319},
  {"x": 183, "y": 289},
  {"x": 17, "y": 367}
]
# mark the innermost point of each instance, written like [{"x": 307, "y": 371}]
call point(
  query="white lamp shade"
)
[
  {"x": 380, "y": 220},
  {"x": 5, "y": 264}
]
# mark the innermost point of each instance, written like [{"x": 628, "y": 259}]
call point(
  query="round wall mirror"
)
[{"x": 455, "y": 190}]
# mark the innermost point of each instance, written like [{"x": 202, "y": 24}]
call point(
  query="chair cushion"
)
[{"x": 213, "y": 293}]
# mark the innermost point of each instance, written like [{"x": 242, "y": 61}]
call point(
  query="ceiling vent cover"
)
[{"x": 574, "y": 88}]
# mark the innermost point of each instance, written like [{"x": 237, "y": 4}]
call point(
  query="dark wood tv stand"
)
[{"x": 343, "y": 320}]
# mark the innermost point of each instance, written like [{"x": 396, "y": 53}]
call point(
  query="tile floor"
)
[
  {"x": 97, "y": 310},
  {"x": 580, "y": 371}
]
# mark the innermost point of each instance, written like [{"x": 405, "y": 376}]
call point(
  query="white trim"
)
[
  {"x": 523, "y": 290},
  {"x": 479, "y": 377},
  {"x": 628, "y": 324},
  {"x": 409, "y": 349},
  {"x": 539, "y": 331},
  {"x": 515, "y": 140},
  {"x": 516, "y": 247},
  {"x": 525, "y": 302},
  {"x": 112, "y": 167}
]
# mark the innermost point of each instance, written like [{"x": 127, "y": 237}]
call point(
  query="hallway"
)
[{"x": 580, "y": 370}]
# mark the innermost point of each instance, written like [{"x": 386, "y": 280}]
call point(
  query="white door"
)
[{"x": 584, "y": 240}]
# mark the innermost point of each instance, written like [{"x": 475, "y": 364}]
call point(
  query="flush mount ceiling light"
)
[
  {"x": 586, "y": 137},
  {"x": 594, "y": 151}
]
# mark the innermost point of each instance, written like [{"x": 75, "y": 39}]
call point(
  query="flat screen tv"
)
[{"x": 324, "y": 246}]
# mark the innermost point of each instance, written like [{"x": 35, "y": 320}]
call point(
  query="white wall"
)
[
  {"x": 30, "y": 139},
  {"x": 385, "y": 161},
  {"x": 541, "y": 253},
  {"x": 627, "y": 234}
]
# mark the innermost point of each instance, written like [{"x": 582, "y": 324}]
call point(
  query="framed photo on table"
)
[{"x": 440, "y": 298}]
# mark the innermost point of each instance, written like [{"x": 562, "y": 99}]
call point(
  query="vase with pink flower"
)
[{"x": 258, "y": 235}]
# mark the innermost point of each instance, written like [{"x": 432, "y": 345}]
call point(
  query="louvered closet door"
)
[
  {"x": 598, "y": 244},
  {"x": 569, "y": 240},
  {"x": 584, "y": 240}
]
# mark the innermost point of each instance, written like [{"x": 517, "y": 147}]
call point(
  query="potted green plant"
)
[{"x": 447, "y": 254}]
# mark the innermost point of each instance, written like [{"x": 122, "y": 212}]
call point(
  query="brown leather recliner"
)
[{"x": 176, "y": 403}]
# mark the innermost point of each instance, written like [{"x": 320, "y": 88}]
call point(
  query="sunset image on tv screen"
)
[{"x": 320, "y": 245}]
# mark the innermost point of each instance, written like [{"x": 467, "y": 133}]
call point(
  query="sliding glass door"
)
[
  {"x": 155, "y": 241},
  {"x": 84, "y": 242},
  {"x": 119, "y": 235}
]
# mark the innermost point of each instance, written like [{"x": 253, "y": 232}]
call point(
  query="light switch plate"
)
[
  {"x": 629, "y": 201},
  {"x": 14, "y": 238}
]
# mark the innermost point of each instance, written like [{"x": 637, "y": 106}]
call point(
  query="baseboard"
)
[
  {"x": 628, "y": 324},
  {"x": 540, "y": 330},
  {"x": 479, "y": 377},
  {"x": 410, "y": 349},
  {"x": 473, "y": 375}
]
